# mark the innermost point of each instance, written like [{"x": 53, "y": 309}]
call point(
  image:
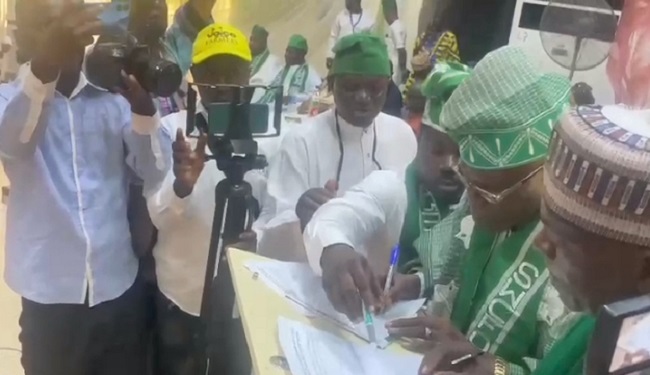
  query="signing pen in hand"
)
[
  {"x": 394, "y": 258},
  {"x": 369, "y": 321}
]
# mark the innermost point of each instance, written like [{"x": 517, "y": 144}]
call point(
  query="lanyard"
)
[
  {"x": 342, "y": 152},
  {"x": 354, "y": 24}
]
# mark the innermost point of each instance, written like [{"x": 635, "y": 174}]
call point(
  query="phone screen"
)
[{"x": 633, "y": 344}]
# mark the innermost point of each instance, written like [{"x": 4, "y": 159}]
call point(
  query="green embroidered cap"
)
[
  {"x": 260, "y": 32},
  {"x": 298, "y": 42},
  {"x": 438, "y": 87},
  {"x": 503, "y": 114},
  {"x": 361, "y": 54}
]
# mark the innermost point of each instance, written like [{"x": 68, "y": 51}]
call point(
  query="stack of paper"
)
[
  {"x": 298, "y": 283},
  {"x": 310, "y": 351}
]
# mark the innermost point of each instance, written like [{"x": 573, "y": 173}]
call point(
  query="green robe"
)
[{"x": 505, "y": 304}]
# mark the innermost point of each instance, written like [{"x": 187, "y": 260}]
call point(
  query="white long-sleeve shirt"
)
[
  {"x": 347, "y": 23},
  {"x": 185, "y": 225},
  {"x": 309, "y": 157},
  {"x": 376, "y": 205}
]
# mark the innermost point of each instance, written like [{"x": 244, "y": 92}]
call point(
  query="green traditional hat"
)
[
  {"x": 361, "y": 54},
  {"x": 438, "y": 87},
  {"x": 503, "y": 114},
  {"x": 260, "y": 32},
  {"x": 298, "y": 42}
]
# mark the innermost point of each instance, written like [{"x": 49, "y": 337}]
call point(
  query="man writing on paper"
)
[
  {"x": 501, "y": 116},
  {"x": 297, "y": 77},
  {"x": 265, "y": 65},
  {"x": 68, "y": 148},
  {"x": 596, "y": 235},
  {"x": 183, "y": 208},
  {"x": 337, "y": 152}
]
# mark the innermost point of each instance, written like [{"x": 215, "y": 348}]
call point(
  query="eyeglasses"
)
[{"x": 496, "y": 198}]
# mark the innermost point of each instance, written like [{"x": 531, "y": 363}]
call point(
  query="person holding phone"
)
[
  {"x": 183, "y": 208},
  {"x": 67, "y": 148}
]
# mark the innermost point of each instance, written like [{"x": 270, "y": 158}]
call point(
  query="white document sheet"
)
[
  {"x": 298, "y": 283},
  {"x": 310, "y": 351}
]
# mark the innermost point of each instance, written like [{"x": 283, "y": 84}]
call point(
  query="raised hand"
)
[
  {"x": 61, "y": 44},
  {"x": 188, "y": 163}
]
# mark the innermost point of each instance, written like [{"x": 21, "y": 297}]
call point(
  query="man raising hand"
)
[{"x": 188, "y": 163}]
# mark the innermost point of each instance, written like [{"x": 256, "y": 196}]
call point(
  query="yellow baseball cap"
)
[{"x": 220, "y": 39}]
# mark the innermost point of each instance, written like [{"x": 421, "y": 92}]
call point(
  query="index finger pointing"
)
[
  {"x": 180, "y": 137},
  {"x": 362, "y": 280}
]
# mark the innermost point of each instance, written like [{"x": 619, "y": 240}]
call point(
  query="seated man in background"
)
[
  {"x": 265, "y": 65},
  {"x": 297, "y": 77},
  {"x": 434, "y": 191},
  {"x": 337, "y": 150},
  {"x": 596, "y": 234},
  {"x": 68, "y": 149},
  {"x": 183, "y": 208}
]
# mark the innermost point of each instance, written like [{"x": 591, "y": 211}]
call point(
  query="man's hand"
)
[
  {"x": 188, "y": 163},
  {"x": 424, "y": 328},
  {"x": 447, "y": 344},
  {"x": 348, "y": 279},
  {"x": 59, "y": 44},
  {"x": 312, "y": 199},
  {"x": 140, "y": 100},
  {"x": 403, "y": 288},
  {"x": 438, "y": 360}
]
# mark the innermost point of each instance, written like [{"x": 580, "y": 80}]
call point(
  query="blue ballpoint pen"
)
[{"x": 394, "y": 258}]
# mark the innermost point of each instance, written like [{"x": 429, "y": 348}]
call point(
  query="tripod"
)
[{"x": 234, "y": 212}]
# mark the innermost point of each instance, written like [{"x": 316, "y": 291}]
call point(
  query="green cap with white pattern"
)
[
  {"x": 438, "y": 87},
  {"x": 503, "y": 114}
]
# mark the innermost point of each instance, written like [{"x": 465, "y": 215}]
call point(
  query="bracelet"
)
[{"x": 500, "y": 367}]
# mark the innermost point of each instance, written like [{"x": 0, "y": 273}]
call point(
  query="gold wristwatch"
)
[{"x": 500, "y": 367}]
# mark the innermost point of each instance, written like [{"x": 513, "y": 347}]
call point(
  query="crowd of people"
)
[{"x": 518, "y": 208}]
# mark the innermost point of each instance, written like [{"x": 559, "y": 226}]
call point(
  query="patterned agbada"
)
[
  {"x": 502, "y": 117},
  {"x": 438, "y": 47},
  {"x": 605, "y": 193}
]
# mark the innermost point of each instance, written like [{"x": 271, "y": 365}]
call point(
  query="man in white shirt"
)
[
  {"x": 183, "y": 208},
  {"x": 353, "y": 19},
  {"x": 297, "y": 77},
  {"x": 265, "y": 65},
  {"x": 338, "y": 151}
]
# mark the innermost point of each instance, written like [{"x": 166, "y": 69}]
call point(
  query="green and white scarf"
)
[
  {"x": 258, "y": 61},
  {"x": 501, "y": 287},
  {"x": 298, "y": 82}
]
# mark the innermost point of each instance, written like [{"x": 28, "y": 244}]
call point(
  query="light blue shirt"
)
[{"x": 68, "y": 162}]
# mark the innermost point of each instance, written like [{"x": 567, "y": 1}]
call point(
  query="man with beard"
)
[
  {"x": 434, "y": 191},
  {"x": 501, "y": 117},
  {"x": 596, "y": 234}
]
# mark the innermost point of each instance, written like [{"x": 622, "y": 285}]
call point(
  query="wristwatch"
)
[{"x": 500, "y": 367}]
